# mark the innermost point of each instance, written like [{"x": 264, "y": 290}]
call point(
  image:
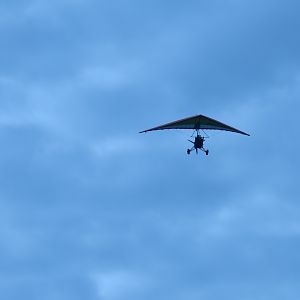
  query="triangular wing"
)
[{"x": 196, "y": 122}]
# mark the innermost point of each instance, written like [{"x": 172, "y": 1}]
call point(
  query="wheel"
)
[
  {"x": 206, "y": 152},
  {"x": 188, "y": 151}
]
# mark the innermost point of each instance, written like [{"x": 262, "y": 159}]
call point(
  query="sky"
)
[{"x": 90, "y": 209}]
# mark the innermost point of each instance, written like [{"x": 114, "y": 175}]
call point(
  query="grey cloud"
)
[{"x": 88, "y": 203}]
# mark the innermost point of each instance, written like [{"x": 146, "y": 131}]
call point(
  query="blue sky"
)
[{"x": 90, "y": 209}]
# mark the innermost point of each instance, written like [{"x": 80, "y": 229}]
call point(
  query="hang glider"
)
[{"x": 197, "y": 123}]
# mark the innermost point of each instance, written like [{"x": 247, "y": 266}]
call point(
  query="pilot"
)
[{"x": 198, "y": 142}]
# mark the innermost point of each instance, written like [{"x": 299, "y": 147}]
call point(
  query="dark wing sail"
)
[{"x": 196, "y": 122}]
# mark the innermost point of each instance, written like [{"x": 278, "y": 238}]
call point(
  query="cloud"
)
[
  {"x": 92, "y": 209},
  {"x": 118, "y": 285}
]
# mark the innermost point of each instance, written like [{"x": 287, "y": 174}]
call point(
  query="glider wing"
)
[{"x": 196, "y": 122}]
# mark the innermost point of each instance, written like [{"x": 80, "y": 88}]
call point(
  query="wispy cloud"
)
[
  {"x": 90, "y": 208},
  {"x": 119, "y": 285}
]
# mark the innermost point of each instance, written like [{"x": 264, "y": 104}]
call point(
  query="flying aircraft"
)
[{"x": 197, "y": 123}]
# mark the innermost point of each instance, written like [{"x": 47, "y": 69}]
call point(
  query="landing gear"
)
[
  {"x": 188, "y": 151},
  {"x": 197, "y": 144}
]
